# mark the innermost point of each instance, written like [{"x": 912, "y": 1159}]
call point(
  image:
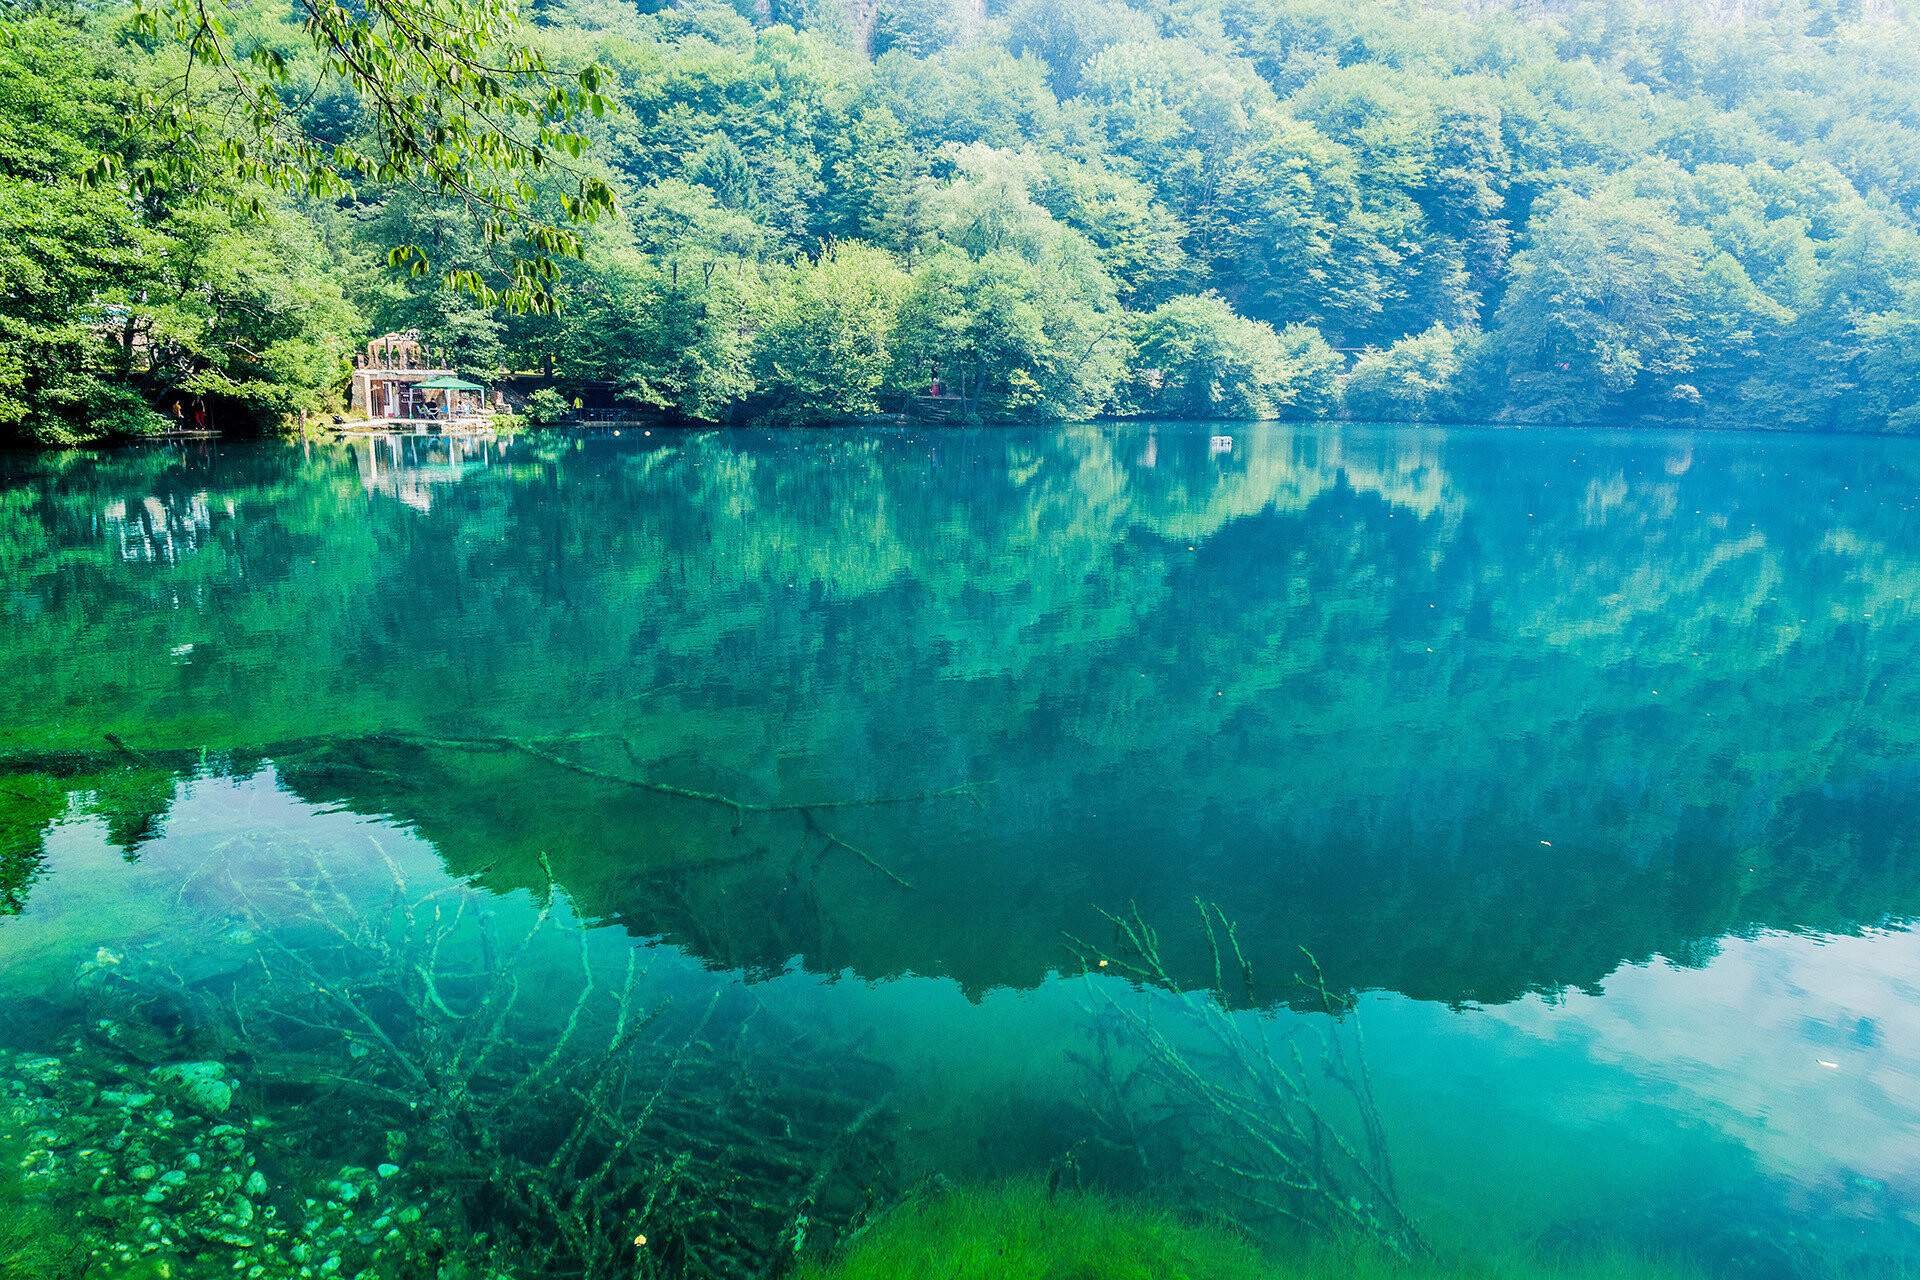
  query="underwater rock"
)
[
  {"x": 36, "y": 1068},
  {"x": 202, "y": 1085},
  {"x": 128, "y": 1099},
  {"x": 141, "y": 1194}
]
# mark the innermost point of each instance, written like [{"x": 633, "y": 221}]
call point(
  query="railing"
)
[{"x": 473, "y": 422}]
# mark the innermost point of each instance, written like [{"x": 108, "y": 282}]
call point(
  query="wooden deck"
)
[{"x": 416, "y": 427}]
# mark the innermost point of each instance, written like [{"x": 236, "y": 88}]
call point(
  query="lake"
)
[{"x": 659, "y": 852}]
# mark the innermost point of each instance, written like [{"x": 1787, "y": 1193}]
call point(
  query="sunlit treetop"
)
[{"x": 453, "y": 99}]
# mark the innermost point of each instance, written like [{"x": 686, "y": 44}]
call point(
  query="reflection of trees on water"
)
[{"x": 1468, "y": 713}]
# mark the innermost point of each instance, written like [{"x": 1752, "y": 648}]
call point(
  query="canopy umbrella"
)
[{"x": 447, "y": 382}]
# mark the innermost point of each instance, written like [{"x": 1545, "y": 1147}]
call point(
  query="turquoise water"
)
[{"x": 728, "y": 828}]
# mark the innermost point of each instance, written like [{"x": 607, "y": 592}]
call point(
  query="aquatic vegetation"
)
[
  {"x": 1023, "y": 1230},
  {"x": 384, "y": 1080},
  {"x": 1225, "y": 1115},
  {"x": 33, "y": 1245}
]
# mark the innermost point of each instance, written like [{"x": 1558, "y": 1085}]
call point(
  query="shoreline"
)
[{"x": 426, "y": 429}]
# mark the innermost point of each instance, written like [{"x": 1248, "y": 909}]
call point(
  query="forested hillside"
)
[{"x": 1599, "y": 210}]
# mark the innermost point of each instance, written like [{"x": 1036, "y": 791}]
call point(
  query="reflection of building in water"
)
[
  {"x": 408, "y": 467},
  {"x": 396, "y": 380}
]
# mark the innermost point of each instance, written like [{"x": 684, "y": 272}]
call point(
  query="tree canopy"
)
[{"x": 1581, "y": 210}]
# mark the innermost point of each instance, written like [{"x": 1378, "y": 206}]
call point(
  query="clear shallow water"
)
[{"x": 1587, "y": 759}]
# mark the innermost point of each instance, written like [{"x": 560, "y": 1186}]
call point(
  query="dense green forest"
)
[{"x": 1594, "y": 210}]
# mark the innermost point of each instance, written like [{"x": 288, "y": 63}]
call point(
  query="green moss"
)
[
  {"x": 1018, "y": 1231},
  {"x": 32, "y": 1246}
]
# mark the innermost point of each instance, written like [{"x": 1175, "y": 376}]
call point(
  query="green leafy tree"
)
[
  {"x": 1601, "y": 314},
  {"x": 469, "y": 337},
  {"x": 1009, "y": 336},
  {"x": 453, "y": 97},
  {"x": 1291, "y": 237},
  {"x": 120, "y": 312},
  {"x": 66, "y": 249},
  {"x": 546, "y": 406},
  {"x": 1179, "y": 113},
  {"x": 825, "y": 339},
  {"x": 1139, "y": 239},
  {"x": 1418, "y": 378},
  {"x": 1714, "y": 221},
  {"x": 1065, "y": 34},
  {"x": 1197, "y": 359}
]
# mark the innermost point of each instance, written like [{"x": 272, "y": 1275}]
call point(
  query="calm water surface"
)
[{"x": 800, "y": 782}]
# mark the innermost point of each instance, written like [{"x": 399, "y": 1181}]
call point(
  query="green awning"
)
[{"x": 448, "y": 383}]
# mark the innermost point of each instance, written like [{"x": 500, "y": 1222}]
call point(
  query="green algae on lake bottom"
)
[
  {"x": 714, "y": 839},
  {"x": 1028, "y": 1231}
]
